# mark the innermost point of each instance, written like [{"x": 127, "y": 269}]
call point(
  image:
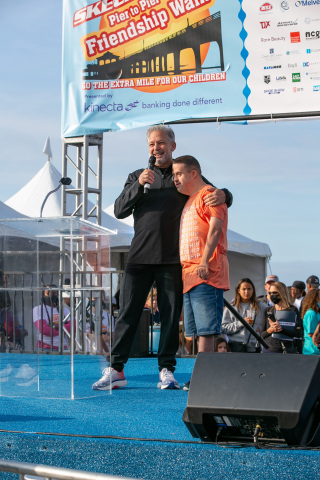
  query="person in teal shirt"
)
[{"x": 311, "y": 319}]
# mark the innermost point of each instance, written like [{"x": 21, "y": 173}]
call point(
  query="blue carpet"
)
[
  {"x": 150, "y": 439},
  {"x": 138, "y": 410}
]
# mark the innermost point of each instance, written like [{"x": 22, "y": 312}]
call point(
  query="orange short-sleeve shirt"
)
[{"x": 194, "y": 227}]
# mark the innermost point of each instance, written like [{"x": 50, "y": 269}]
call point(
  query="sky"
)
[{"x": 272, "y": 169}]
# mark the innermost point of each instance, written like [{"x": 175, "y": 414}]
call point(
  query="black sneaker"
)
[{"x": 186, "y": 386}]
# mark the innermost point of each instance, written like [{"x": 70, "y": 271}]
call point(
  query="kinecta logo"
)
[
  {"x": 307, "y": 3},
  {"x": 110, "y": 107},
  {"x": 313, "y": 35}
]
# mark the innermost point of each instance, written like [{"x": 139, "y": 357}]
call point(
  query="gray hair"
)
[{"x": 162, "y": 128}]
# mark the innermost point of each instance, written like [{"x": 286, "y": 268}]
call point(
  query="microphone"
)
[
  {"x": 62, "y": 181},
  {"x": 65, "y": 181},
  {"x": 152, "y": 161}
]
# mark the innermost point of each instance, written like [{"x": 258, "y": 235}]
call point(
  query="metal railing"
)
[{"x": 28, "y": 471}]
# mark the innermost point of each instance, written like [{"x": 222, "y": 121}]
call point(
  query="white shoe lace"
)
[
  {"x": 167, "y": 375},
  {"x": 106, "y": 372}
]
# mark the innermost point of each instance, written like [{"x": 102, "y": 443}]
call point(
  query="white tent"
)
[
  {"x": 28, "y": 201},
  {"x": 247, "y": 258}
]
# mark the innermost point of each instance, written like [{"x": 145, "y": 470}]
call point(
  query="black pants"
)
[{"x": 135, "y": 286}]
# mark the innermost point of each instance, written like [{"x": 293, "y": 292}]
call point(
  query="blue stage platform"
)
[{"x": 136, "y": 431}]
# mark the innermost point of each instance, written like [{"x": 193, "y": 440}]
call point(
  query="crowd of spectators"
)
[{"x": 286, "y": 317}]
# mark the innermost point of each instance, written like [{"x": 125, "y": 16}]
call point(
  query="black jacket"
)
[{"x": 156, "y": 217}]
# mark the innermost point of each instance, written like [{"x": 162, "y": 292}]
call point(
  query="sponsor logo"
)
[
  {"x": 274, "y": 91},
  {"x": 267, "y": 79},
  {"x": 289, "y": 23},
  {"x": 309, "y": 64},
  {"x": 312, "y": 50},
  {"x": 307, "y": 3},
  {"x": 293, "y": 52},
  {"x": 284, "y": 6},
  {"x": 283, "y": 78},
  {"x": 292, "y": 65},
  {"x": 316, "y": 88},
  {"x": 265, "y": 24},
  {"x": 296, "y": 77},
  {"x": 297, "y": 89},
  {"x": 272, "y": 56},
  {"x": 273, "y": 39},
  {"x": 312, "y": 75},
  {"x": 272, "y": 67},
  {"x": 308, "y": 20},
  {"x": 295, "y": 37},
  {"x": 266, "y": 7},
  {"x": 313, "y": 35}
]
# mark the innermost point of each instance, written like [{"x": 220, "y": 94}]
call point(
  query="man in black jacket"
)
[{"x": 153, "y": 257}]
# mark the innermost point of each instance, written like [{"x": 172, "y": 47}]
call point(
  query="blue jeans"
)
[{"x": 202, "y": 310}]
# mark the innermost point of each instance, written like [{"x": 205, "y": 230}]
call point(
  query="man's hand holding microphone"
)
[{"x": 146, "y": 178}]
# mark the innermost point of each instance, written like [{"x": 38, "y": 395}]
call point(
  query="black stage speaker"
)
[{"x": 239, "y": 397}]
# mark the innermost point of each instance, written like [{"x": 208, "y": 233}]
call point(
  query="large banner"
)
[{"x": 130, "y": 63}]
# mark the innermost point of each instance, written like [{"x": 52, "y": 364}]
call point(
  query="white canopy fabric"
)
[
  {"x": 28, "y": 201},
  {"x": 8, "y": 212}
]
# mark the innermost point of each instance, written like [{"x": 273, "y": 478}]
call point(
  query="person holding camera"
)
[
  {"x": 281, "y": 324},
  {"x": 247, "y": 305}
]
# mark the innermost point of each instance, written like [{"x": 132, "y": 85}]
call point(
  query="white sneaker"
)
[
  {"x": 110, "y": 375},
  {"x": 26, "y": 376},
  {"x": 167, "y": 380}
]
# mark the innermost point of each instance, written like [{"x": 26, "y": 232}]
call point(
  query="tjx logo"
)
[{"x": 265, "y": 24}]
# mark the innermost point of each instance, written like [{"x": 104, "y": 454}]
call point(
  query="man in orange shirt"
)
[{"x": 203, "y": 255}]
